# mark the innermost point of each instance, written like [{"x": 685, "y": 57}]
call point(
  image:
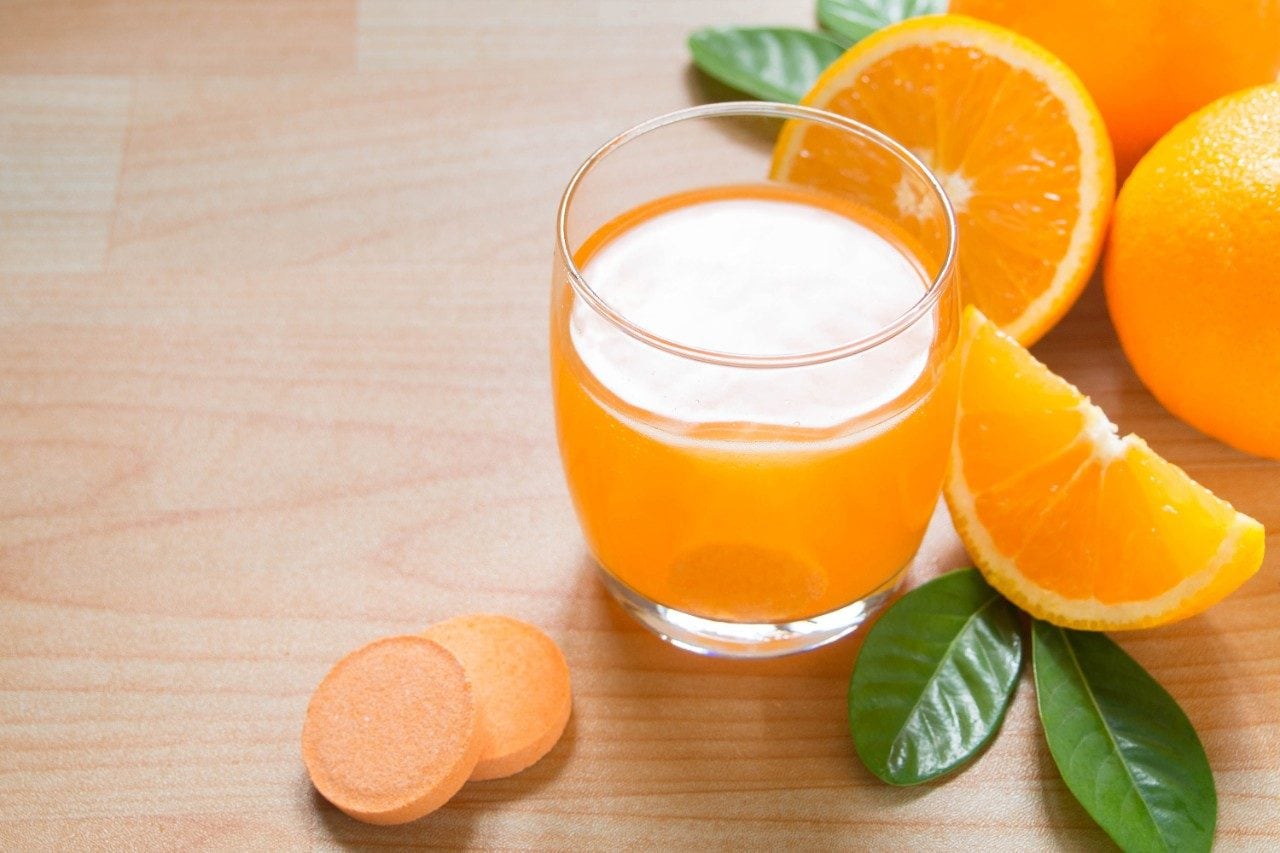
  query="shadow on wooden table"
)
[
  {"x": 755, "y": 133},
  {"x": 704, "y": 738},
  {"x": 1062, "y": 811},
  {"x": 735, "y": 751},
  {"x": 768, "y": 740},
  {"x": 453, "y": 825}
]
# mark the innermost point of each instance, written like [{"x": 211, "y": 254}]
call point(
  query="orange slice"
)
[
  {"x": 1071, "y": 522},
  {"x": 1010, "y": 133}
]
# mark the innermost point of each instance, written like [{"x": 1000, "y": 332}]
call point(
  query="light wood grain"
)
[
  {"x": 273, "y": 283},
  {"x": 177, "y": 36},
  {"x": 62, "y": 140}
]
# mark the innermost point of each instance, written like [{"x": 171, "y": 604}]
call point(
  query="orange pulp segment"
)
[
  {"x": 1071, "y": 522},
  {"x": 1010, "y": 133}
]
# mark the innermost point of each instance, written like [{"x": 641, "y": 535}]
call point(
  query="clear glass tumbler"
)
[{"x": 753, "y": 319}]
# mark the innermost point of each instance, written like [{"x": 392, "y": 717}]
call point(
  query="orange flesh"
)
[
  {"x": 1001, "y": 141},
  {"x": 521, "y": 684},
  {"x": 390, "y": 734},
  {"x": 974, "y": 138},
  {"x": 746, "y": 522},
  {"x": 1071, "y": 508}
]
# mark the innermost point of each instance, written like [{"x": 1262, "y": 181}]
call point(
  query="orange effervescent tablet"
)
[
  {"x": 391, "y": 731},
  {"x": 521, "y": 682}
]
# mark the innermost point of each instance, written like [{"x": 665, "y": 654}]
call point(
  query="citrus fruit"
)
[
  {"x": 1012, "y": 136},
  {"x": 1192, "y": 273},
  {"x": 1148, "y": 63},
  {"x": 1071, "y": 522}
]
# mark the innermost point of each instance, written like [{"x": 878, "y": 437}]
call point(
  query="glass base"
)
[{"x": 713, "y": 637}]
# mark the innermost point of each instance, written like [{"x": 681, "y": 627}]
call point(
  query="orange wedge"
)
[
  {"x": 1071, "y": 522},
  {"x": 1012, "y": 136}
]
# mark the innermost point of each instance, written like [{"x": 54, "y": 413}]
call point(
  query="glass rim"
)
[{"x": 766, "y": 109}]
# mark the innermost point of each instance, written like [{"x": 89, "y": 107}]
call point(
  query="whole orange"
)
[
  {"x": 1192, "y": 270},
  {"x": 1148, "y": 63}
]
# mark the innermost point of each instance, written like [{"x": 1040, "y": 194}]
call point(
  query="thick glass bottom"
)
[{"x": 718, "y": 638}]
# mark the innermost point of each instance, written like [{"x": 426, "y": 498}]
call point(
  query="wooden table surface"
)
[{"x": 273, "y": 286}]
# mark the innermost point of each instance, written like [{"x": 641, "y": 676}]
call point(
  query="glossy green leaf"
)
[
  {"x": 1123, "y": 746},
  {"x": 774, "y": 63},
  {"x": 934, "y": 678},
  {"x": 857, "y": 19}
]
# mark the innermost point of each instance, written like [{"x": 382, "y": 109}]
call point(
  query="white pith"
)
[{"x": 958, "y": 187}]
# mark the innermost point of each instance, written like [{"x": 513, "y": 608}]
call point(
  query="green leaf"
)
[
  {"x": 1123, "y": 746},
  {"x": 857, "y": 19},
  {"x": 845, "y": 43},
  {"x": 774, "y": 63},
  {"x": 934, "y": 678}
]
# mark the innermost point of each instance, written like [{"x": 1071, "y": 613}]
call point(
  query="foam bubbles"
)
[{"x": 753, "y": 277}]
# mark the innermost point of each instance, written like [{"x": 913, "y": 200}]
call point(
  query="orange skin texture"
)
[
  {"x": 1192, "y": 273},
  {"x": 390, "y": 733},
  {"x": 1148, "y": 63},
  {"x": 521, "y": 684}
]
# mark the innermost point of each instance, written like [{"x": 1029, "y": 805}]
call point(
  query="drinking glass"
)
[{"x": 746, "y": 534}]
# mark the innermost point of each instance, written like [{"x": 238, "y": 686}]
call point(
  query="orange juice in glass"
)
[{"x": 753, "y": 379}]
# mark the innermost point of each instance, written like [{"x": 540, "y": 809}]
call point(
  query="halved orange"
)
[
  {"x": 1012, "y": 136},
  {"x": 1071, "y": 522}
]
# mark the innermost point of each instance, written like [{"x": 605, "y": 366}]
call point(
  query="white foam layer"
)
[{"x": 753, "y": 277}]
